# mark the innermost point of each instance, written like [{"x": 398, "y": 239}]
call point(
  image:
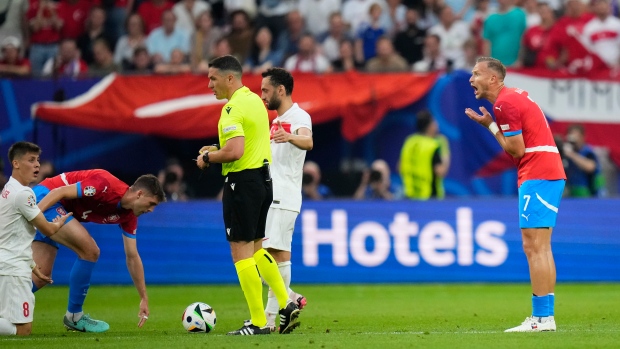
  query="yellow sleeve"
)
[{"x": 231, "y": 122}]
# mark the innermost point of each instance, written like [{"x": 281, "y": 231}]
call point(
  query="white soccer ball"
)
[{"x": 199, "y": 317}]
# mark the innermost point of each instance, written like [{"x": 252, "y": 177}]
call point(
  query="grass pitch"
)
[{"x": 339, "y": 316}]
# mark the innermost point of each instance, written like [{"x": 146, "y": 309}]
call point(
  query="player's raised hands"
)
[
  {"x": 485, "y": 119},
  {"x": 281, "y": 136}
]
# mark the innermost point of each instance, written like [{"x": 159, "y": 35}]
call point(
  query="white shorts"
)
[
  {"x": 16, "y": 299},
  {"x": 279, "y": 229}
]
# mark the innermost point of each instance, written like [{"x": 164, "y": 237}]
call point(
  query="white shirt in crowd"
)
[
  {"x": 603, "y": 39},
  {"x": 316, "y": 14},
  {"x": 187, "y": 20},
  {"x": 452, "y": 39},
  {"x": 18, "y": 206},
  {"x": 317, "y": 64},
  {"x": 288, "y": 161}
]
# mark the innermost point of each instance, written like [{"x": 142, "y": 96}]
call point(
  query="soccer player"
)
[
  {"x": 93, "y": 196},
  {"x": 291, "y": 136},
  {"x": 19, "y": 216},
  {"x": 243, "y": 131},
  {"x": 524, "y": 134}
]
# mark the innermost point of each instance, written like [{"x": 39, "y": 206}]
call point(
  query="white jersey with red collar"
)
[{"x": 602, "y": 37}]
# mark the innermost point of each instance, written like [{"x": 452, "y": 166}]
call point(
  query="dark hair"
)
[
  {"x": 495, "y": 65},
  {"x": 280, "y": 76},
  {"x": 150, "y": 184},
  {"x": 104, "y": 42},
  {"x": 19, "y": 149},
  {"x": 142, "y": 24},
  {"x": 227, "y": 63},
  {"x": 576, "y": 127},
  {"x": 140, "y": 49},
  {"x": 424, "y": 119}
]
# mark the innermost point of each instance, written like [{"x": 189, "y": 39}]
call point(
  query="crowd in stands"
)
[{"x": 96, "y": 37}]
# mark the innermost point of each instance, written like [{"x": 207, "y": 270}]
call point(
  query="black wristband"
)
[{"x": 205, "y": 158}]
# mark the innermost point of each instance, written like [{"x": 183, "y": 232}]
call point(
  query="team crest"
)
[
  {"x": 89, "y": 191},
  {"x": 61, "y": 211},
  {"x": 31, "y": 201},
  {"x": 113, "y": 217}
]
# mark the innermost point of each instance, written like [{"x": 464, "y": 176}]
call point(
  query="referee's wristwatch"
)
[{"x": 205, "y": 158}]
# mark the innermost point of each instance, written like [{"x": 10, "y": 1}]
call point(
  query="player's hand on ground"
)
[
  {"x": 144, "y": 313},
  {"x": 485, "y": 119},
  {"x": 37, "y": 272},
  {"x": 281, "y": 136}
]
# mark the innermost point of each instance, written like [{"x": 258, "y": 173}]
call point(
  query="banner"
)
[
  {"x": 183, "y": 106},
  {"x": 368, "y": 242}
]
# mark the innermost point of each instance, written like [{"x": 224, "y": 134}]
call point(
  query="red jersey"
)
[
  {"x": 47, "y": 34},
  {"x": 534, "y": 40},
  {"x": 99, "y": 198},
  {"x": 516, "y": 113},
  {"x": 151, "y": 14},
  {"x": 73, "y": 16}
]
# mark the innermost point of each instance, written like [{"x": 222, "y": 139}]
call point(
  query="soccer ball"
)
[{"x": 199, "y": 317}]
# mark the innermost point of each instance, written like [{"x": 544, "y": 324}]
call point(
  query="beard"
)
[{"x": 274, "y": 103}]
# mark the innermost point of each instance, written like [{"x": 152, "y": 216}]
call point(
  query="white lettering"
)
[
  {"x": 382, "y": 245},
  {"x": 465, "y": 238},
  {"x": 494, "y": 250},
  {"x": 313, "y": 237},
  {"x": 403, "y": 231},
  {"x": 435, "y": 238}
]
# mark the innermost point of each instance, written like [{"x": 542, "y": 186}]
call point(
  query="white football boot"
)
[{"x": 533, "y": 324}]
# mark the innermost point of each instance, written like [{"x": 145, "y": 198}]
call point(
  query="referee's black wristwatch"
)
[{"x": 205, "y": 158}]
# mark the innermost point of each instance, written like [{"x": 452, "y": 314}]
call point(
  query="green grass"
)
[{"x": 352, "y": 316}]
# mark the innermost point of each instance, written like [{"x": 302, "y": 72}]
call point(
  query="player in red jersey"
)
[
  {"x": 93, "y": 196},
  {"x": 524, "y": 133}
]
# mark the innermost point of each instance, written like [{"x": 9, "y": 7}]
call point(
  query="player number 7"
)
[{"x": 527, "y": 201}]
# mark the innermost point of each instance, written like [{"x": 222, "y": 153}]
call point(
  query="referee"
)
[{"x": 244, "y": 152}]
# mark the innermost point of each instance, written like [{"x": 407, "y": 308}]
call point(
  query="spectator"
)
[
  {"x": 141, "y": 62},
  {"x": 73, "y": 14},
  {"x": 171, "y": 179},
  {"x": 166, "y": 38},
  {"x": 394, "y": 18},
  {"x": 532, "y": 16},
  {"x": 262, "y": 56},
  {"x": 477, "y": 23},
  {"x": 311, "y": 187},
  {"x": 14, "y": 23},
  {"x": 409, "y": 43},
  {"x": 503, "y": 32},
  {"x": 45, "y": 26},
  {"x": 222, "y": 48},
  {"x": 104, "y": 60},
  {"x": 203, "y": 40},
  {"x": 116, "y": 18},
  {"x": 376, "y": 183},
  {"x": 424, "y": 160},
  {"x": 470, "y": 55},
  {"x": 535, "y": 38},
  {"x": 135, "y": 37},
  {"x": 274, "y": 14},
  {"x": 187, "y": 12},
  {"x": 452, "y": 33},
  {"x": 347, "y": 61},
  {"x": 95, "y": 29},
  {"x": 11, "y": 62},
  {"x": 368, "y": 34},
  {"x": 583, "y": 171},
  {"x": 68, "y": 62},
  {"x": 387, "y": 60},
  {"x": 427, "y": 11},
  {"x": 288, "y": 40},
  {"x": 318, "y": 12},
  {"x": 602, "y": 34},
  {"x": 177, "y": 64},
  {"x": 307, "y": 60},
  {"x": 152, "y": 13},
  {"x": 241, "y": 34},
  {"x": 331, "y": 41},
  {"x": 433, "y": 59},
  {"x": 46, "y": 170},
  {"x": 230, "y": 6},
  {"x": 355, "y": 12}
]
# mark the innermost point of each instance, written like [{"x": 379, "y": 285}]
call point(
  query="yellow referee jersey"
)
[{"x": 245, "y": 115}]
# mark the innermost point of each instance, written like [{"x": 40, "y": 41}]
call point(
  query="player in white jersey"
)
[
  {"x": 291, "y": 137},
  {"x": 601, "y": 35},
  {"x": 19, "y": 215}
]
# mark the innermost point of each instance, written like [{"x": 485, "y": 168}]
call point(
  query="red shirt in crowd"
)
[
  {"x": 74, "y": 17},
  {"x": 151, "y": 14},
  {"x": 47, "y": 34},
  {"x": 534, "y": 40}
]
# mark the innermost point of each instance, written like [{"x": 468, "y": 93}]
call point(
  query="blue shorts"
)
[
  {"x": 539, "y": 201},
  {"x": 54, "y": 211}
]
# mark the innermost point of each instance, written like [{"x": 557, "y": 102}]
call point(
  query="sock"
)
[
  {"x": 540, "y": 306},
  {"x": 252, "y": 290},
  {"x": 269, "y": 271},
  {"x": 7, "y": 328},
  {"x": 75, "y": 317},
  {"x": 273, "y": 307},
  {"x": 79, "y": 282},
  {"x": 551, "y": 304},
  {"x": 34, "y": 287}
]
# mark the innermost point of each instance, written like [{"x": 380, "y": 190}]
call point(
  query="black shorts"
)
[{"x": 246, "y": 200}]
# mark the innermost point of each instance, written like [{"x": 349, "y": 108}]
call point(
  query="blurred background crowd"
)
[{"x": 96, "y": 37}]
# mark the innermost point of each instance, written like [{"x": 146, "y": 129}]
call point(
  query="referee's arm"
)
[{"x": 232, "y": 151}]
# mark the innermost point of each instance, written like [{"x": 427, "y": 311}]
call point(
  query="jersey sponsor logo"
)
[
  {"x": 228, "y": 109},
  {"x": 5, "y": 194},
  {"x": 499, "y": 108},
  {"x": 505, "y": 127},
  {"x": 104, "y": 189},
  {"x": 113, "y": 217},
  {"x": 232, "y": 186},
  {"x": 229, "y": 128},
  {"x": 31, "y": 201},
  {"x": 228, "y": 231},
  {"x": 61, "y": 211},
  {"x": 526, "y": 217},
  {"x": 90, "y": 191}
]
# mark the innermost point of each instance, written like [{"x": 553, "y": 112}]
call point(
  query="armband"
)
[{"x": 493, "y": 128}]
